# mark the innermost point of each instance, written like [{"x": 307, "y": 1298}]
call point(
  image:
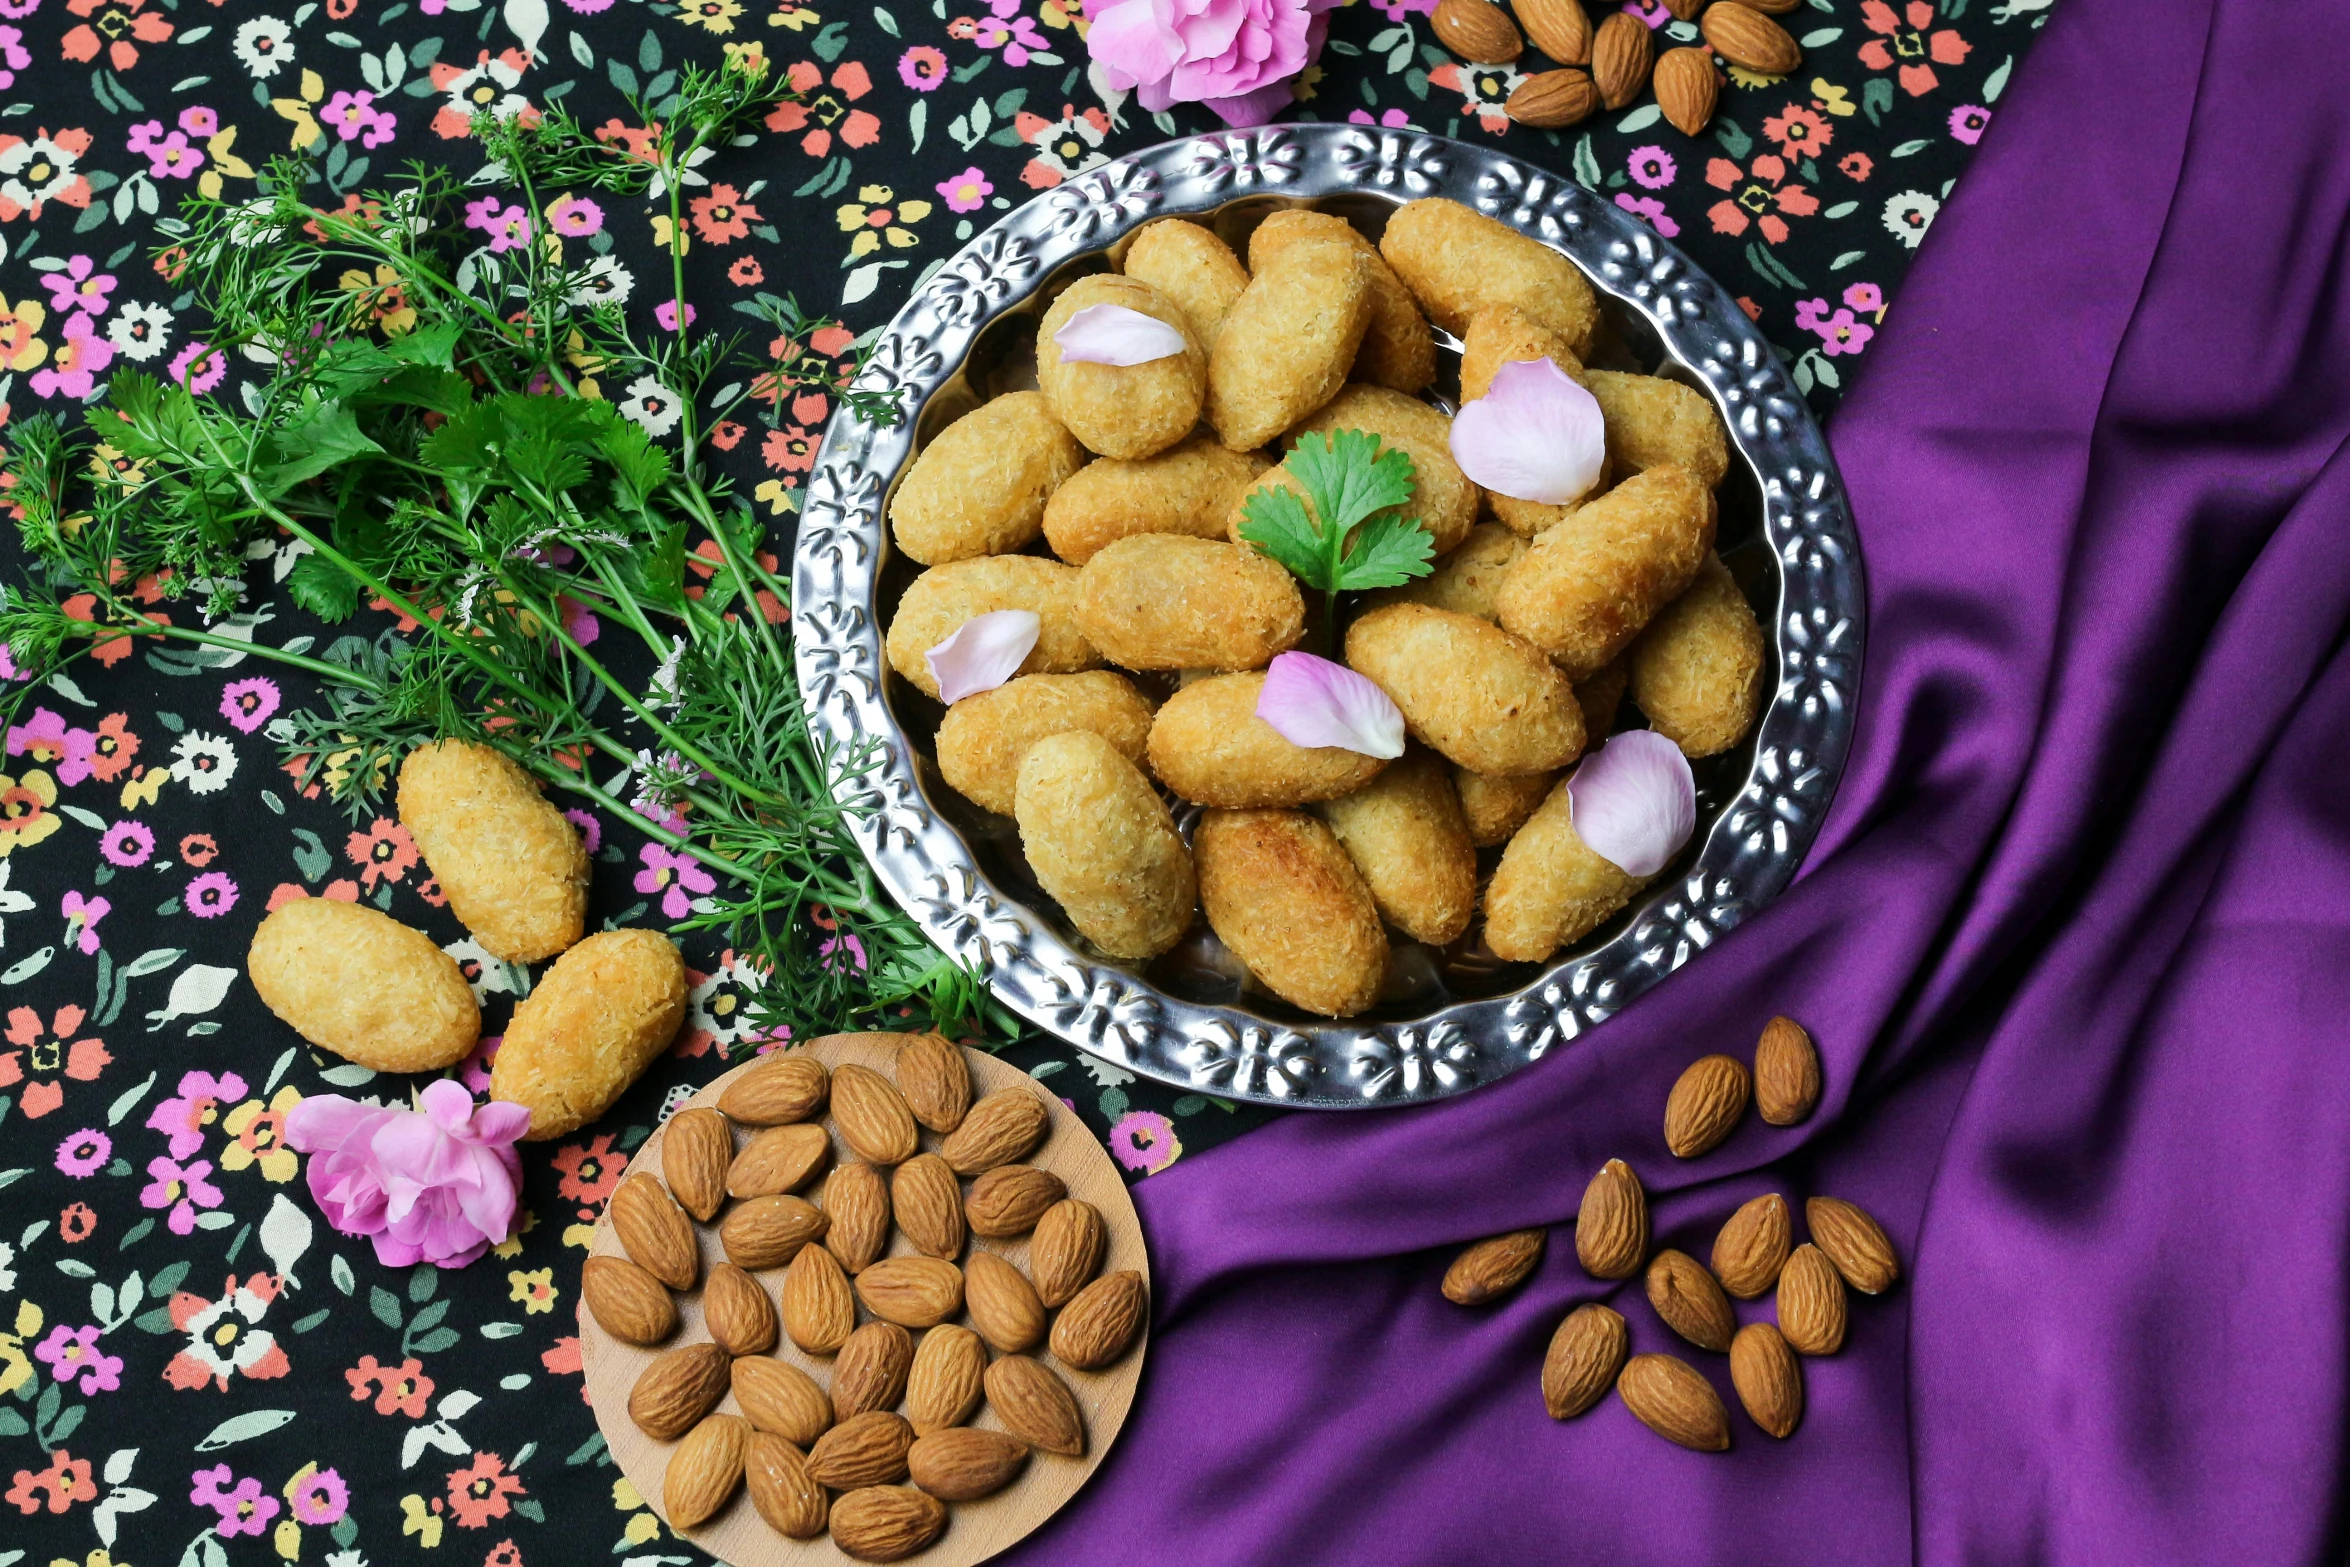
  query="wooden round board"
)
[{"x": 975, "y": 1530}]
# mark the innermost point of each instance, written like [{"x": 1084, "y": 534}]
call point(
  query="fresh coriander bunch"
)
[{"x": 1351, "y": 529}]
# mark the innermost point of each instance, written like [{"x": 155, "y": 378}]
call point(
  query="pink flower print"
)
[
  {"x": 1968, "y": 122},
  {"x": 355, "y": 118},
  {"x": 483, "y": 212},
  {"x": 1867, "y": 297},
  {"x": 1842, "y": 334},
  {"x": 1651, "y": 168},
  {"x": 1650, "y": 211},
  {"x": 1909, "y": 45},
  {"x": 575, "y": 217},
  {"x": 200, "y": 121},
  {"x": 922, "y": 68},
  {"x": 1392, "y": 119},
  {"x": 243, "y": 1508},
  {"x": 210, "y": 895},
  {"x": 248, "y": 703},
  {"x": 143, "y": 135},
  {"x": 199, "y": 367},
  {"x": 78, "y": 285},
  {"x": 48, "y": 741},
  {"x": 1396, "y": 11},
  {"x": 185, "y": 1114},
  {"x": 510, "y": 232},
  {"x": 1145, "y": 1140},
  {"x": 1759, "y": 198},
  {"x": 73, "y": 370},
  {"x": 665, "y": 315},
  {"x": 320, "y": 1497},
  {"x": 13, "y": 56},
  {"x": 1016, "y": 35},
  {"x": 679, "y": 878},
  {"x": 1653, "y": 12},
  {"x": 591, "y": 830},
  {"x": 967, "y": 191},
  {"x": 84, "y": 1154},
  {"x": 184, "y": 1189},
  {"x": 127, "y": 845},
  {"x": 81, "y": 921},
  {"x": 73, "y": 1352},
  {"x": 172, "y": 157}
]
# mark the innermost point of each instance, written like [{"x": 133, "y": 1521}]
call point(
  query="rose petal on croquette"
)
[
  {"x": 1311, "y": 701},
  {"x": 1115, "y": 335},
  {"x": 1534, "y": 436},
  {"x": 984, "y": 652},
  {"x": 1635, "y": 801}
]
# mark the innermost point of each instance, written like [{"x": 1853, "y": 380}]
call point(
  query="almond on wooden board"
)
[
  {"x": 856, "y": 1200},
  {"x": 696, "y": 1147},
  {"x": 1477, "y": 30},
  {"x": 928, "y": 1202},
  {"x": 736, "y": 1310},
  {"x": 1687, "y": 90},
  {"x": 779, "y": 1397},
  {"x": 1585, "y": 1354},
  {"x": 1786, "y": 1072},
  {"x": 678, "y": 1389},
  {"x": 1753, "y": 1246},
  {"x": 935, "y": 1079},
  {"x": 887, "y": 1523},
  {"x": 1559, "y": 28},
  {"x": 913, "y": 1292},
  {"x": 943, "y": 1388},
  {"x": 1097, "y": 1327},
  {"x": 1611, "y": 1229},
  {"x": 705, "y": 1469},
  {"x": 1066, "y": 1249},
  {"x": 1621, "y": 52},
  {"x": 1689, "y": 1300},
  {"x": 871, "y": 1115},
  {"x": 779, "y": 1159},
  {"x": 1006, "y": 1125},
  {"x": 963, "y": 1464},
  {"x": 818, "y": 1311},
  {"x": 1670, "y": 1398},
  {"x": 866, "y": 1449},
  {"x": 626, "y": 1301},
  {"x": 1035, "y": 1405},
  {"x": 1769, "y": 1379},
  {"x": 1811, "y": 1302},
  {"x": 1854, "y": 1242},
  {"x": 767, "y": 1232},
  {"x": 1003, "y": 1304},
  {"x": 871, "y": 1370},
  {"x": 786, "y": 1495},
  {"x": 1548, "y": 100},
  {"x": 655, "y": 1232},
  {"x": 1493, "y": 1267},
  {"x": 1705, "y": 1104},
  {"x": 784, "y": 1087},
  {"x": 1009, "y": 1199},
  {"x": 1744, "y": 36}
]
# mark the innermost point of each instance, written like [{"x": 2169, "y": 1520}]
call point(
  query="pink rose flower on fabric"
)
[
  {"x": 432, "y": 1185},
  {"x": 1234, "y": 56}
]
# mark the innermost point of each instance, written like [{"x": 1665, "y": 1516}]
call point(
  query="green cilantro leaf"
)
[
  {"x": 1350, "y": 478},
  {"x": 1351, "y": 529},
  {"x": 324, "y": 589},
  {"x": 1278, "y": 524},
  {"x": 1388, "y": 552}
]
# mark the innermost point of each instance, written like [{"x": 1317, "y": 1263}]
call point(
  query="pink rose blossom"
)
[
  {"x": 1234, "y": 56},
  {"x": 432, "y": 1185}
]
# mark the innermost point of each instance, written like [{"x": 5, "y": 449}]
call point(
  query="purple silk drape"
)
[{"x": 2076, "y": 945}]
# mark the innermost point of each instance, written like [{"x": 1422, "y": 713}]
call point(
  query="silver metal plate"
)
[{"x": 1449, "y": 1025}]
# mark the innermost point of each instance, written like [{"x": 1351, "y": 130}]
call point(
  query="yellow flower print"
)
[
  {"x": 1746, "y": 78},
  {"x": 15, "y": 1368},
  {"x": 716, "y": 16},
  {"x": 778, "y": 496},
  {"x": 876, "y": 223},
  {"x": 382, "y": 299},
  {"x": 288, "y": 1539},
  {"x": 642, "y": 1526},
  {"x": 1829, "y": 98},
  {"x": 19, "y": 348},
  {"x": 144, "y": 787},
  {"x": 99, "y": 1556},
  {"x": 109, "y": 466},
  {"x": 25, "y": 816},
  {"x": 298, "y": 110},
  {"x": 748, "y": 58},
  {"x": 662, "y": 236},
  {"x": 225, "y": 165},
  {"x": 259, "y": 1133},
  {"x": 534, "y": 1288},
  {"x": 1064, "y": 13},
  {"x": 421, "y": 1520},
  {"x": 796, "y": 17}
]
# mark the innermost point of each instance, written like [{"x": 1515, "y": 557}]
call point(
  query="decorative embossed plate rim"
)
[{"x": 1753, "y": 845}]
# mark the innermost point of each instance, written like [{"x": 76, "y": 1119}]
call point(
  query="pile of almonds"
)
[
  {"x": 1609, "y": 66},
  {"x": 814, "y": 1458},
  {"x": 1753, "y": 1255}
]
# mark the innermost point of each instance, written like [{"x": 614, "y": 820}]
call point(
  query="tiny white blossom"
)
[{"x": 651, "y": 406}]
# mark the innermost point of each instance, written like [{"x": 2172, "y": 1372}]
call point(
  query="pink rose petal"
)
[
  {"x": 984, "y": 652},
  {"x": 1635, "y": 801},
  {"x": 432, "y": 1185},
  {"x": 1311, "y": 702},
  {"x": 1115, "y": 335},
  {"x": 1534, "y": 436}
]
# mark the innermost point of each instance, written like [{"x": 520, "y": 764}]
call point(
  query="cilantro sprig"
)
[{"x": 1351, "y": 529}]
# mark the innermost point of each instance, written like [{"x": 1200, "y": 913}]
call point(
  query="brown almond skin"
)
[
  {"x": 1003, "y": 1304},
  {"x": 705, "y": 1469},
  {"x": 1549, "y": 100},
  {"x": 1585, "y": 1355},
  {"x": 1099, "y": 1326},
  {"x": 1690, "y": 1301},
  {"x": 673, "y": 1393},
  {"x": 1744, "y": 36},
  {"x": 1705, "y": 1106},
  {"x": 856, "y": 1200},
  {"x": 1687, "y": 88},
  {"x": 818, "y": 1311},
  {"x": 1036, "y": 1406},
  {"x": 655, "y": 1232},
  {"x": 1009, "y": 1199},
  {"x": 784, "y": 1087},
  {"x": 1670, "y": 1398},
  {"x": 767, "y": 1232},
  {"x": 943, "y": 1389},
  {"x": 1768, "y": 1377},
  {"x": 1493, "y": 1267},
  {"x": 779, "y": 1397},
  {"x": 928, "y": 1202},
  {"x": 786, "y": 1495},
  {"x": 871, "y": 1371},
  {"x": 1811, "y": 1302},
  {"x": 1611, "y": 1230},
  {"x": 913, "y": 1292},
  {"x": 696, "y": 1148},
  {"x": 626, "y": 1301},
  {"x": 1066, "y": 1250},
  {"x": 1477, "y": 30},
  {"x": 871, "y": 1115},
  {"x": 1753, "y": 1247},
  {"x": 1620, "y": 54},
  {"x": 779, "y": 1159},
  {"x": 866, "y": 1449},
  {"x": 935, "y": 1080},
  {"x": 1854, "y": 1242},
  {"x": 887, "y": 1523},
  {"x": 1008, "y": 1124},
  {"x": 963, "y": 1465},
  {"x": 1559, "y": 28},
  {"x": 736, "y": 1310},
  {"x": 1786, "y": 1072}
]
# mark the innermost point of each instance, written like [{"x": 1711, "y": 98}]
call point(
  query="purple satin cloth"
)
[{"x": 2075, "y": 943}]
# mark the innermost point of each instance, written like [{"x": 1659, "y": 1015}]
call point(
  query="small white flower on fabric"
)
[
  {"x": 984, "y": 652},
  {"x": 1635, "y": 801},
  {"x": 651, "y": 406},
  {"x": 1310, "y": 701},
  {"x": 1534, "y": 436},
  {"x": 1115, "y": 335}
]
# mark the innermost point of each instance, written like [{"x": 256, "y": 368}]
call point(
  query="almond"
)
[
  {"x": 1856, "y": 1243},
  {"x": 779, "y": 1397},
  {"x": 677, "y": 1390},
  {"x": 944, "y": 1386},
  {"x": 786, "y": 1495},
  {"x": 1686, "y": 10},
  {"x": 1002, "y": 1303},
  {"x": 1689, "y": 1300},
  {"x": 1009, "y": 1199},
  {"x": 818, "y": 1311},
  {"x": 1007, "y": 1125},
  {"x": 1811, "y": 1302},
  {"x": 1493, "y": 1267},
  {"x": 1744, "y": 36},
  {"x": 1768, "y": 1378},
  {"x": 779, "y": 1089},
  {"x": 1550, "y": 99},
  {"x": 1066, "y": 1249},
  {"x": 871, "y": 1371},
  {"x": 1706, "y": 1103},
  {"x": 737, "y": 1311},
  {"x": 913, "y": 1292},
  {"x": 1585, "y": 1354},
  {"x": 872, "y": 1116},
  {"x": 1786, "y": 1072},
  {"x": 887, "y": 1523},
  {"x": 705, "y": 1469},
  {"x": 866, "y": 1449},
  {"x": 1095, "y": 1329},
  {"x": 655, "y": 1232},
  {"x": 962, "y": 1464},
  {"x": 695, "y": 1148},
  {"x": 1611, "y": 1230},
  {"x": 1773, "y": 7},
  {"x": 1687, "y": 90},
  {"x": 780, "y": 1159},
  {"x": 1620, "y": 55},
  {"x": 928, "y": 1202},
  {"x": 1035, "y": 1406},
  {"x": 767, "y": 1232},
  {"x": 1752, "y": 1247},
  {"x": 626, "y": 1301},
  {"x": 1477, "y": 30},
  {"x": 1559, "y": 28},
  {"x": 935, "y": 1079},
  {"x": 1670, "y": 1398},
  {"x": 856, "y": 1200}
]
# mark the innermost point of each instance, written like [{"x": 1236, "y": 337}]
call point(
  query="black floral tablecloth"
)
[{"x": 193, "y": 1368}]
